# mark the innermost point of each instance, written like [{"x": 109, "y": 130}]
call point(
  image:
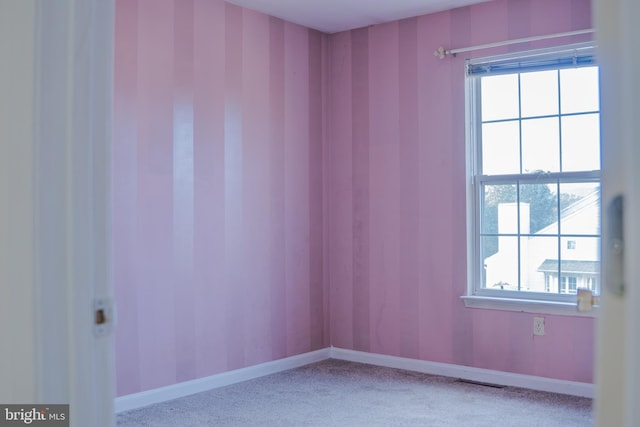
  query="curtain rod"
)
[{"x": 441, "y": 52}]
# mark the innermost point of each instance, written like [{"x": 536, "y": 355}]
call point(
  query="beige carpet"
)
[{"x": 338, "y": 393}]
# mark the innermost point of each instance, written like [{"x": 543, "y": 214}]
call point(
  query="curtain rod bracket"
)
[{"x": 440, "y": 52}]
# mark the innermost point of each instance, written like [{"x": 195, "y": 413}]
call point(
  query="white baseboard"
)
[
  {"x": 163, "y": 394},
  {"x": 573, "y": 388},
  {"x": 175, "y": 391}
]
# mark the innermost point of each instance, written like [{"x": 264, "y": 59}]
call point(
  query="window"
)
[
  {"x": 534, "y": 176},
  {"x": 569, "y": 285}
]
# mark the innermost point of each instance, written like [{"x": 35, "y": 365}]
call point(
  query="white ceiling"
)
[{"x": 331, "y": 16}]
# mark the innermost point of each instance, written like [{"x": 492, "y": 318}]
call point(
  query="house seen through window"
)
[{"x": 535, "y": 174}]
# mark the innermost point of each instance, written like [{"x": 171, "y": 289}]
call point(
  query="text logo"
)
[{"x": 34, "y": 415}]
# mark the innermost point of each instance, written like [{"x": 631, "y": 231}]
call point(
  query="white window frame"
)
[{"x": 497, "y": 299}]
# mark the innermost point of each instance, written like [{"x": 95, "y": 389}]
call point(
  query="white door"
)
[
  {"x": 56, "y": 65},
  {"x": 618, "y": 332}
]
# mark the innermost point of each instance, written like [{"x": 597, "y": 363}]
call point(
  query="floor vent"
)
[{"x": 460, "y": 380}]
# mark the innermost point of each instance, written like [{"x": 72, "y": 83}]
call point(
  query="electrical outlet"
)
[{"x": 538, "y": 326}]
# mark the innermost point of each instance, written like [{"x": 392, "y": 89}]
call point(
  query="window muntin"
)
[{"x": 536, "y": 178}]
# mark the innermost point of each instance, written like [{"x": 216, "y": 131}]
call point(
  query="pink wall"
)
[
  {"x": 217, "y": 206},
  {"x": 396, "y": 239},
  {"x": 232, "y": 236}
]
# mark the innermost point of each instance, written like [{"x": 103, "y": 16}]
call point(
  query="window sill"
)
[{"x": 527, "y": 306}]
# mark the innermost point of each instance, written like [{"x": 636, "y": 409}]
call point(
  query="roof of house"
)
[
  {"x": 570, "y": 266},
  {"x": 590, "y": 200}
]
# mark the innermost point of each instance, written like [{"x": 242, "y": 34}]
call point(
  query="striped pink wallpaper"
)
[
  {"x": 396, "y": 242},
  {"x": 277, "y": 191},
  {"x": 217, "y": 190}
]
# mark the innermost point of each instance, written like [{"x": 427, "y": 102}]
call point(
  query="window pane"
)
[
  {"x": 500, "y": 148},
  {"x": 500, "y": 270},
  {"x": 539, "y": 261},
  {"x": 579, "y": 90},
  {"x": 540, "y": 145},
  {"x": 499, "y": 96},
  {"x": 583, "y": 249},
  {"x": 541, "y": 213},
  {"x": 580, "y": 266},
  {"x": 580, "y": 208},
  {"x": 500, "y": 214},
  {"x": 581, "y": 142},
  {"x": 568, "y": 284},
  {"x": 539, "y": 93}
]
